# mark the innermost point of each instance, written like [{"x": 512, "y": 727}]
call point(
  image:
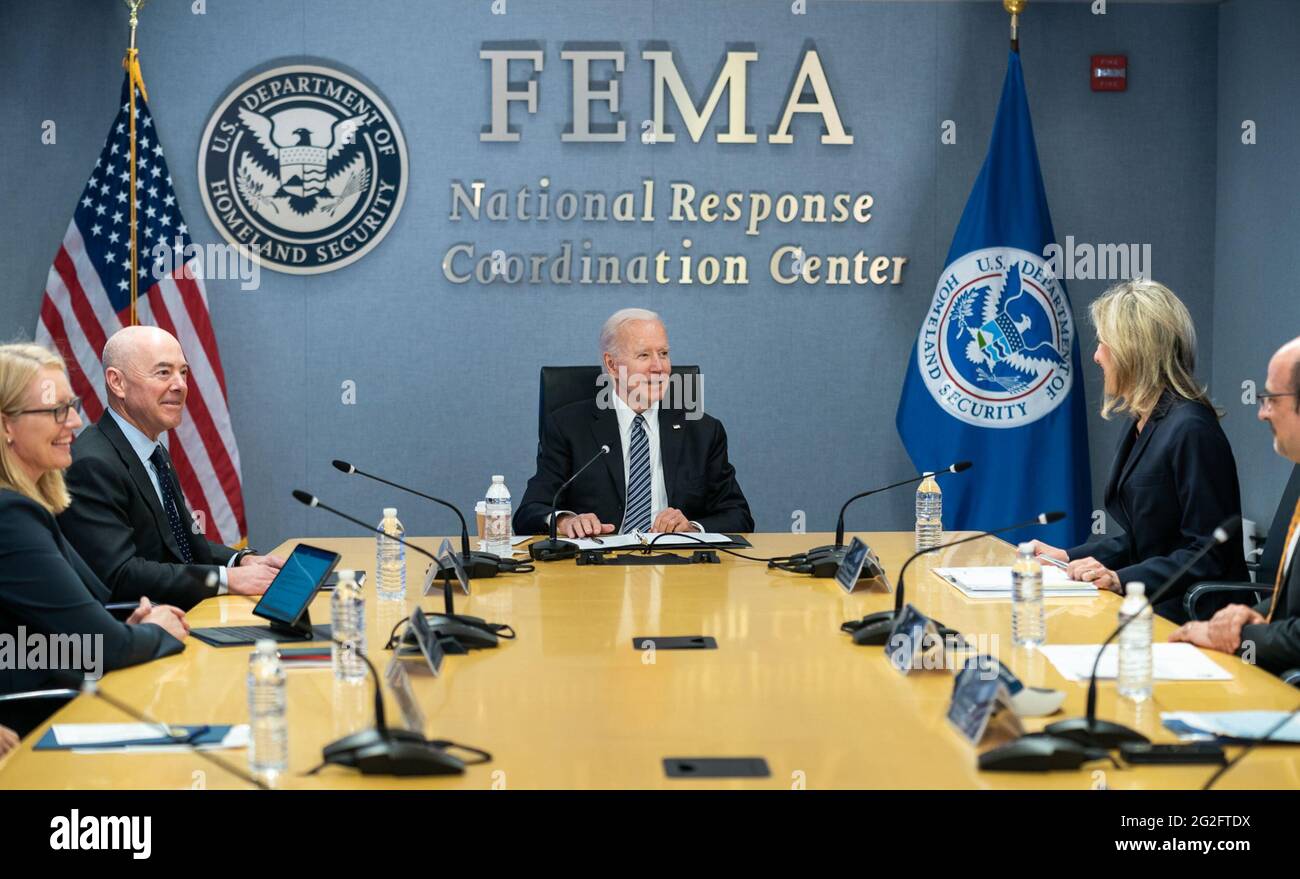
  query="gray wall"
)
[
  {"x": 1257, "y": 229},
  {"x": 805, "y": 378}
]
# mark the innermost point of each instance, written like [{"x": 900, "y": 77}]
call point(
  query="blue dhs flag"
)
[{"x": 995, "y": 376}]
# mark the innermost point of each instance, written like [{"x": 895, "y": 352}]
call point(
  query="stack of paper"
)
[
  {"x": 1170, "y": 662},
  {"x": 995, "y": 582},
  {"x": 637, "y": 540},
  {"x": 1233, "y": 725}
]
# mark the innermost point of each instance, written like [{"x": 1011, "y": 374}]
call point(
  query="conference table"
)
[{"x": 571, "y": 703}]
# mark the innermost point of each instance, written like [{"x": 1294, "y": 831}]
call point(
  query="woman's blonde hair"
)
[
  {"x": 1152, "y": 346},
  {"x": 19, "y": 364}
]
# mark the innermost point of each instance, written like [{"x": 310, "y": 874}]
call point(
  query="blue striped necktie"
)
[
  {"x": 163, "y": 468},
  {"x": 637, "y": 514}
]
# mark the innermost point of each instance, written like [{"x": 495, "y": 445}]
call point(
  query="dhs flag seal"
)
[
  {"x": 992, "y": 376},
  {"x": 994, "y": 349},
  {"x": 306, "y": 166}
]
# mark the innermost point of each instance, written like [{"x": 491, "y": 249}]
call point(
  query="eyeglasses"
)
[
  {"x": 1266, "y": 399},
  {"x": 59, "y": 412}
]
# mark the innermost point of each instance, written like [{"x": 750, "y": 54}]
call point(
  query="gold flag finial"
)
[{"x": 1015, "y": 7}]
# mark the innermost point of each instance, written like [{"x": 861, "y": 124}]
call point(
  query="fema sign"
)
[
  {"x": 305, "y": 166},
  {"x": 994, "y": 349}
]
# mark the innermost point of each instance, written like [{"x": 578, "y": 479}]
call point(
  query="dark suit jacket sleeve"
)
[
  {"x": 554, "y": 465},
  {"x": 221, "y": 554},
  {"x": 1204, "y": 478},
  {"x": 1113, "y": 552},
  {"x": 1277, "y": 644},
  {"x": 727, "y": 510},
  {"x": 43, "y": 591},
  {"x": 98, "y": 526}
]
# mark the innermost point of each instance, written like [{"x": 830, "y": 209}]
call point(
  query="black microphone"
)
[
  {"x": 384, "y": 751},
  {"x": 551, "y": 549},
  {"x": 824, "y": 561},
  {"x": 875, "y": 628},
  {"x": 91, "y": 688},
  {"x": 1088, "y": 730},
  {"x": 477, "y": 565},
  {"x": 449, "y": 602}
]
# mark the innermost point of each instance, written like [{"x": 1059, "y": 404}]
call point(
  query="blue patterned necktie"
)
[
  {"x": 637, "y": 514},
  {"x": 163, "y": 468}
]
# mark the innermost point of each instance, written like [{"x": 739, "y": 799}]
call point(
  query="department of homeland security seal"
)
[
  {"x": 995, "y": 347},
  {"x": 305, "y": 165}
]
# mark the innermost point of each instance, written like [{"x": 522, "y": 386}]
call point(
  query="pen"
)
[{"x": 1051, "y": 561}]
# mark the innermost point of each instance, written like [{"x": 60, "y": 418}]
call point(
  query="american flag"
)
[{"x": 88, "y": 298}]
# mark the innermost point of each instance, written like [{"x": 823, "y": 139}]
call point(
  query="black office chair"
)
[
  {"x": 562, "y": 385},
  {"x": 1197, "y": 602}
]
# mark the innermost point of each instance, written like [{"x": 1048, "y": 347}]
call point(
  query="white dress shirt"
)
[{"x": 143, "y": 448}]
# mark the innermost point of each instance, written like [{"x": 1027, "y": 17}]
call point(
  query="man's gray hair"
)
[{"x": 609, "y": 332}]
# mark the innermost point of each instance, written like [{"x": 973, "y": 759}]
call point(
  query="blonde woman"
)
[
  {"x": 1174, "y": 479},
  {"x": 46, "y": 589}
]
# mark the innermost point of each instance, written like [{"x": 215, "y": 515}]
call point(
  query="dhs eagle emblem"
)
[
  {"x": 304, "y": 165},
  {"x": 995, "y": 348}
]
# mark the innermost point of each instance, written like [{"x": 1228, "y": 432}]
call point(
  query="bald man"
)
[
  {"x": 128, "y": 517},
  {"x": 1268, "y": 634}
]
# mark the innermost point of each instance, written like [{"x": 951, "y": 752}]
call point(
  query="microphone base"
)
[
  {"x": 552, "y": 550},
  {"x": 392, "y": 752},
  {"x": 1095, "y": 733},
  {"x": 875, "y": 628},
  {"x": 479, "y": 566}
]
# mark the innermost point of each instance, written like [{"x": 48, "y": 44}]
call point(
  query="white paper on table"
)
[
  {"x": 998, "y": 579},
  {"x": 87, "y": 736},
  {"x": 1240, "y": 724},
  {"x": 1170, "y": 662},
  {"x": 638, "y": 539}
]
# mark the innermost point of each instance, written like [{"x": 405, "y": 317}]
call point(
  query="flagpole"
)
[
  {"x": 1015, "y": 7},
  {"x": 132, "y": 65}
]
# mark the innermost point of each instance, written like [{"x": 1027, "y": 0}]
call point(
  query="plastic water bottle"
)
[
  {"x": 268, "y": 746},
  {"x": 1135, "y": 662},
  {"x": 1028, "y": 622},
  {"x": 496, "y": 521},
  {"x": 348, "y": 625},
  {"x": 390, "y": 559},
  {"x": 929, "y": 513}
]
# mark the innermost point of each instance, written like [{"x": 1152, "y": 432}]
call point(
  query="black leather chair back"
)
[{"x": 562, "y": 385}]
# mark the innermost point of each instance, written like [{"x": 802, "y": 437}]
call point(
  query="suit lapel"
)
[
  {"x": 1144, "y": 438},
  {"x": 108, "y": 427},
  {"x": 671, "y": 437},
  {"x": 604, "y": 427}
]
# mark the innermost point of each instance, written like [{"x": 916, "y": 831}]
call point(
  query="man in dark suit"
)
[
  {"x": 128, "y": 517},
  {"x": 664, "y": 472},
  {"x": 1268, "y": 634}
]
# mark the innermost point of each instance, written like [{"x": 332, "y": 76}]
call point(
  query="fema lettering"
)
[{"x": 304, "y": 165}]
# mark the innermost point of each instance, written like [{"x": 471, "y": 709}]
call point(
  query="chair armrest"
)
[
  {"x": 1201, "y": 590},
  {"x": 1292, "y": 677},
  {"x": 60, "y": 693},
  {"x": 122, "y": 610}
]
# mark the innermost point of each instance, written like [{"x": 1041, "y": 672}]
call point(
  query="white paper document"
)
[
  {"x": 91, "y": 738},
  {"x": 638, "y": 539},
  {"x": 1239, "y": 724},
  {"x": 1171, "y": 662},
  {"x": 995, "y": 582}
]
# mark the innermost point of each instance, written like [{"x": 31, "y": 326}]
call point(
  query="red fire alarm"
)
[{"x": 1109, "y": 73}]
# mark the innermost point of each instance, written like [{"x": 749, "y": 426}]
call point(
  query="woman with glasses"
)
[
  {"x": 48, "y": 597},
  {"x": 1174, "y": 479}
]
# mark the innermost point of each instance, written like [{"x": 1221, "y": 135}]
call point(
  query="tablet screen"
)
[{"x": 303, "y": 572}]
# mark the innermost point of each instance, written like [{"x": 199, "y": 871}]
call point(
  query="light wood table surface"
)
[{"x": 571, "y": 704}]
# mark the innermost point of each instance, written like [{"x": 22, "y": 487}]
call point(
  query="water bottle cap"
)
[
  {"x": 266, "y": 645},
  {"x": 346, "y": 576},
  {"x": 1025, "y": 549},
  {"x": 496, "y": 479},
  {"x": 390, "y": 512},
  {"x": 1136, "y": 590}
]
